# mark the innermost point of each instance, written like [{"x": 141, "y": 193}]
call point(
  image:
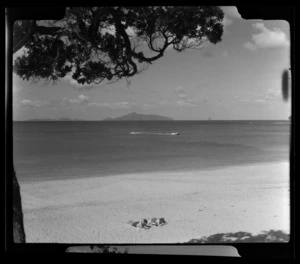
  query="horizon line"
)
[{"x": 98, "y": 120}]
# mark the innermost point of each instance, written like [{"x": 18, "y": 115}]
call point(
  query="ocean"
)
[{"x": 65, "y": 150}]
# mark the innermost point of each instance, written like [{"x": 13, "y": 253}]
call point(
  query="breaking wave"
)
[{"x": 154, "y": 133}]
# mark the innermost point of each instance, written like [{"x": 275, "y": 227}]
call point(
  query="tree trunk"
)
[
  {"x": 18, "y": 35},
  {"x": 18, "y": 224}
]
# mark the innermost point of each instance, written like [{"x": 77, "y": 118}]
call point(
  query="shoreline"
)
[
  {"x": 194, "y": 203},
  {"x": 153, "y": 172}
]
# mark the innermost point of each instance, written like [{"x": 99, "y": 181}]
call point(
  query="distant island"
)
[
  {"x": 50, "y": 119},
  {"x": 139, "y": 117}
]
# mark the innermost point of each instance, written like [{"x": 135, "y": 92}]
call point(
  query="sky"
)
[{"x": 238, "y": 78}]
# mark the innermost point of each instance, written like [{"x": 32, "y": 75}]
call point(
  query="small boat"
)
[{"x": 155, "y": 133}]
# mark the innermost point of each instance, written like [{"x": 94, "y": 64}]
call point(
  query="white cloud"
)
[
  {"x": 264, "y": 98},
  {"x": 188, "y": 102},
  {"x": 74, "y": 83},
  {"x": 147, "y": 106},
  {"x": 119, "y": 105},
  {"x": 114, "y": 105},
  {"x": 36, "y": 103},
  {"x": 271, "y": 94},
  {"x": 183, "y": 98},
  {"x": 81, "y": 100},
  {"x": 259, "y": 101},
  {"x": 267, "y": 38},
  {"x": 180, "y": 93}
]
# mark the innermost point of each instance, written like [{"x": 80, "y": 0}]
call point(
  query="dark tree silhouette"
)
[
  {"x": 93, "y": 44},
  {"x": 271, "y": 236},
  {"x": 18, "y": 223},
  {"x": 107, "y": 250},
  {"x": 102, "y": 249}
]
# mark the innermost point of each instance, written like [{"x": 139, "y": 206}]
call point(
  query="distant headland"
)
[{"x": 139, "y": 117}]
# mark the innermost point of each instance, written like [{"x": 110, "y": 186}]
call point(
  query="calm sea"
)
[{"x": 60, "y": 150}]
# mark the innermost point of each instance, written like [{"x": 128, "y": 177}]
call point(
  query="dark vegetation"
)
[
  {"x": 96, "y": 43},
  {"x": 271, "y": 236},
  {"x": 102, "y": 249}
]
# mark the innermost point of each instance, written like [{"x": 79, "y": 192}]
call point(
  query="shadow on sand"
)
[{"x": 276, "y": 236}]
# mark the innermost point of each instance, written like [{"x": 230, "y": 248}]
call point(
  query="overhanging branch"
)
[{"x": 21, "y": 38}]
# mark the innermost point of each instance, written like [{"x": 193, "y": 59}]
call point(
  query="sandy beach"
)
[{"x": 250, "y": 198}]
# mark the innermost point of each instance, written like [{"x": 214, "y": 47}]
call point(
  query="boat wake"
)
[{"x": 154, "y": 133}]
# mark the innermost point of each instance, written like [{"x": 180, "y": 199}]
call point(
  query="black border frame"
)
[{"x": 253, "y": 250}]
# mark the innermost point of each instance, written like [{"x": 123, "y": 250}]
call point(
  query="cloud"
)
[
  {"x": 36, "y": 103},
  {"x": 120, "y": 105},
  {"x": 264, "y": 98},
  {"x": 267, "y": 38},
  {"x": 123, "y": 105},
  {"x": 74, "y": 83},
  {"x": 188, "y": 102},
  {"x": 81, "y": 100},
  {"x": 271, "y": 94},
  {"x": 183, "y": 98},
  {"x": 146, "y": 106},
  {"x": 259, "y": 101},
  {"x": 180, "y": 92},
  {"x": 114, "y": 105},
  {"x": 250, "y": 101}
]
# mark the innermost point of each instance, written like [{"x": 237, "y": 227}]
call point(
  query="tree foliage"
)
[
  {"x": 96, "y": 43},
  {"x": 270, "y": 236},
  {"x": 107, "y": 250}
]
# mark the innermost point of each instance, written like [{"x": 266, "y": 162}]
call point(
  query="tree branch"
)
[
  {"x": 47, "y": 30},
  {"x": 19, "y": 40},
  {"x": 120, "y": 28},
  {"x": 141, "y": 56}
]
